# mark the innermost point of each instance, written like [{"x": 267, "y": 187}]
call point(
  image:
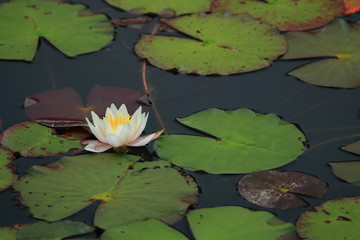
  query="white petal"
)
[
  {"x": 96, "y": 119},
  {"x": 96, "y": 131},
  {"x": 123, "y": 111},
  {"x": 113, "y": 109},
  {"x": 109, "y": 113},
  {"x": 143, "y": 140},
  {"x": 126, "y": 134},
  {"x": 96, "y": 146},
  {"x": 114, "y": 140},
  {"x": 140, "y": 128}
]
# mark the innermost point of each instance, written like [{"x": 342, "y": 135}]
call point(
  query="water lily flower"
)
[{"x": 118, "y": 129}]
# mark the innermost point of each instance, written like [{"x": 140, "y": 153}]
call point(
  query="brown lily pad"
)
[
  {"x": 275, "y": 189},
  {"x": 65, "y": 108}
]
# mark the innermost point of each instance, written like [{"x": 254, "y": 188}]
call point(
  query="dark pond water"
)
[{"x": 329, "y": 117}]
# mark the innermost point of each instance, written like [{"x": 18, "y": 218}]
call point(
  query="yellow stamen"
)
[{"x": 117, "y": 120}]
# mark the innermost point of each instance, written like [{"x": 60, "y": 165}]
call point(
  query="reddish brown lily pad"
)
[
  {"x": 65, "y": 108},
  {"x": 347, "y": 171},
  {"x": 352, "y": 6},
  {"x": 275, "y": 189}
]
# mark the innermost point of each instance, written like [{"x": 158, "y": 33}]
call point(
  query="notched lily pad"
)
[
  {"x": 340, "y": 42},
  {"x": 8, "y": 233},
  {"x": 149, "y": 229},
  {"x": 243, "y": 141},
  {"x": 347, "y": 171},
  {"x": 127, "y": 192},
  {"x": 7, "y": 171},
  {"x": 353, "y": 147},
  {"x": 65, "y": 108},
  {"x": 162, "y": 7},
  {"x": 71, "y": 28},
  {"x": 223, "y": 44},
  {"x": 275, "y": 189},
  {"x": 237, "y": 223},
  {"x": 287, "y": 15},
  {"x": 53, "y": 231},
  {"x": 210, "y": 224},
  {"x": 334, "y": 219},
  {"x": 33, "y": 139}
]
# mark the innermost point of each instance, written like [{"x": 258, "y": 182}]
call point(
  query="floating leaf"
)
[
  {"x": 53, "y": 231},
  {"x": 136, "y": 23},
  {"x": 128, "y": 193},
  {"x": 287, "y": 15},
  {"x": 353, "y": 147},
  {"x": 210, "y": 224},
  {"x": 334, "y": 219},
  {"x": 8, "y": 233},
  {"x": 352, "y": 6},
  {"x": 224, "y": 45},
  {"x": 33, "y": 139},
  {"x": 347, "y": 171},
  {"x": 65, "y": 108},
  {"x": 244, "y": 141},
  {"x": 141, "y": 230},
  {"x": 162, "y": 7},
  {"x": 7, "y": 174},
  {"x": 71, "y": 28},
  {"x": 338, "y": 40},
  {"x": 237, "y": 223},
  {"x": 275, "y": 189}
]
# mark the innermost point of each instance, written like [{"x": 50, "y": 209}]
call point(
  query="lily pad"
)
[
  {"x": 338, "y": 40},
  {"x": 162, "y": 7},
  {"x": 223, "y": 44},
  {"x": 65, "y": 108},
  {"x": 352, "y": 6},
  {"x": 71, "y": 28},
  {"x": 128, "y": 193},
  {"x": 242, "y": 141},
  {"x": 334, "y": 219},
  {"x": 210, "y": 224},
  {"x": 287, "y": 15},
  {"x": 7, "y": 173},
  {"x": 142, "y": 230},
  {"x": 347, "y": 171},
  {"x": 353, "y": 147},
  {"x": 33, "y": 139},
  {"x": 232, "y": 222},
  {"x": 53, "y": 231},
  {"x": 275, "y": 189},
  {"x": 8, "y": 233}
]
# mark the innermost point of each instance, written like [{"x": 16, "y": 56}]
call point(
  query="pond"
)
[{"x": 328, "y": 117}]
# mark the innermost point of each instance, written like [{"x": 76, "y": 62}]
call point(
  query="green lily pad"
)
[
  {"x": 128, "y": 193},
  {"x": 287, "y": 15},
  {"x": 162, "y": 7},
  {"x": 353, "y": 147},
  {"x": 338, "y": 40},
  {"x": 8, "y": 233},
  {"x": 334, "y": 219},
  {"x": 243, "y": 141},
  {"x": 223, "y": 44},
  {"x": 232, "y": 222},
  {"x": 7, "y": 174},
  {"x": 53, "y": 231},
  {"x": 347, "y": 171},
  {"x": 71, "y": 28},
  {"x": 277, "y": 189},
  {"x": 210, "y": 224},
  {"x": 33, "y": 139},
  {"x": 142, "y": 230}
]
